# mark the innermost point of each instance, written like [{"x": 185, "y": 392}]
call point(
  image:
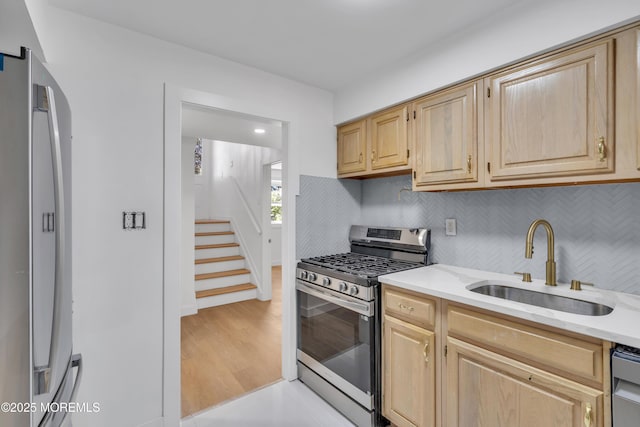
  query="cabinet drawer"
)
[
  {"x": 412, "y": 308},
  {"x": 553, "y": 351}
]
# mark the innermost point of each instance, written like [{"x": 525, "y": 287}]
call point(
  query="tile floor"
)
[{"x": 283, "y": 404}]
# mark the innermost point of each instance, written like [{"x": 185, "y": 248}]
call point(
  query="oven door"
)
[{"x": 336, "y": 339}]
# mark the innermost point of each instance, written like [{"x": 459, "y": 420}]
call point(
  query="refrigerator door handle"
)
[
  {"x": 45, "y": 101},
  {"x": 76, "y": 362}
]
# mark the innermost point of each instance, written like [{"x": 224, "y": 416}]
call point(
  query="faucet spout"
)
[{"x": 528, "y": 250}]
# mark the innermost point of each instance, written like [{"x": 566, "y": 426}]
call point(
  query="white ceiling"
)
[
  {"x": 209, "y": 123},
  {"x": 324, "y": 43}
]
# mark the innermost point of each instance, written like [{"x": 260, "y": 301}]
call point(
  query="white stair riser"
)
[
  {"x": 217, "y": 252},
  {"x": 215, "y": 240},
  {"x": 214, "y": 267},
  {"x": 226, "y": 298},
  {"x": 221, "y": 282},
  {"x": 208, "y": 228}
]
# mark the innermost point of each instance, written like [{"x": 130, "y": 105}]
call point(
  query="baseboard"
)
[
  {"x": 158, "y": 422},
  {"x": 188, "y": 310}
]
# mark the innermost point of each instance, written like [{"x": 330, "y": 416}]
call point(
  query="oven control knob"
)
[
  {"x": 326, "y": 281},
  {"x": 343, "y": 287},
  {"x": 353, "y": 290},
  {"x": 312, "y": 277},
  {"x": 303, "y": 274}
]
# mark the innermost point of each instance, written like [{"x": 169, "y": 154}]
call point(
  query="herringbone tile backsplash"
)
[{"x": 597, "y": 227}]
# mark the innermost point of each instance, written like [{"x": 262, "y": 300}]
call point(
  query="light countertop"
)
[{"x": 449, "y": 282}]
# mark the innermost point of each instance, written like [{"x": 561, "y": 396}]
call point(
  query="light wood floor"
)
[{"x": 230, "y": 350}]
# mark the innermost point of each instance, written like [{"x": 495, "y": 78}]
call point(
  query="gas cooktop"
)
[{"x": 361, "y": 265}]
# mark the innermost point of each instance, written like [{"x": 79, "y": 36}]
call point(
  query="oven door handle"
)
[{"x": 364, "y": 308}]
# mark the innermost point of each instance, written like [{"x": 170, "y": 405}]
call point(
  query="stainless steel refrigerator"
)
[{"x": 37, "y": 375}]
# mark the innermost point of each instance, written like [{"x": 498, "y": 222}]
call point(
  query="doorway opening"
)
[
  {"x": 175, "y": 98},
  {"x": 231, "y": 324}
]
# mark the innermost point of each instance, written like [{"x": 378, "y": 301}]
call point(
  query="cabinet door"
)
[
  {"x": 553, "y": 117},
  {"x": 352, "y": 148},
  {"x": 487, "y": 389},
  {"x": 389, "y": 139},
  {"x": 446, "y": 137},
  {"x": 638, "y": 98},
  {"x": 409, "y": 374}
]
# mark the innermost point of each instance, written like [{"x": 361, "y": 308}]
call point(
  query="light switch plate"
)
[
  {"x": 450, "y": 227},
  {"x": 139, "y": 220},
  {"x": 128, "y": 220},
  {"x": 134, "y": 220}
]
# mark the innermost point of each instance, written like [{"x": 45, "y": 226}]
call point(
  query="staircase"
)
[{"x": 221, "y": 276}]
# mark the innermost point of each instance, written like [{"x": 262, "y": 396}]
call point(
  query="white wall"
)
[
  {"x": 16, "y": 29},
  {"x": 276, "y": 229},
  {"x": 202, "y": 182},
  {"x": 244, "y": 163},
  {"x": 188, "y": 228},
  {"x": 276, "y": 244},
  {"x": 518, "y": 31},
  {"x": 237, "y": 184},
  {"x": 114, "y": 81}
]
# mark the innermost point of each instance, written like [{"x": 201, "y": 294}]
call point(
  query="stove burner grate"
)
[{"x": 360, "y": 264}]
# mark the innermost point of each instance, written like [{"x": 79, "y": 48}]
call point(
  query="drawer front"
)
[
  {"x": 554, "y": 351},
  {"x": 411, "y": 308}
]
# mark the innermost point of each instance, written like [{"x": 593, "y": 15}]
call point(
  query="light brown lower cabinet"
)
[
  {"x": 488, "y": 389},
  {"x": 409, "y": 374},
  {"x": 449, "y": 364}
]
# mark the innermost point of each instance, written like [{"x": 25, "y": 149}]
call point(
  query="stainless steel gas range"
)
[{"x": 339, "y": 324}]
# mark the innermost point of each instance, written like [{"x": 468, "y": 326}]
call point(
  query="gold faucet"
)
[{"x": 528, "y": 251}]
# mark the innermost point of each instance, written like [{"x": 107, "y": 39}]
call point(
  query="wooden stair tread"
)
[
  {"x": 222, "y": 274},
  {"x": 220, "y": 259},
  {"x": 219, "y": 245},
  {"x": 214, "y": 233},
  {"x": 212, "y": 221},
  {"x": 225, "y": 290}
]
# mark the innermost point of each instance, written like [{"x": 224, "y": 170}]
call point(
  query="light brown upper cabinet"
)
[
  {"x": 636, "y": 32},
  {"x": 627, "y": 94},
  {"x": 446, "y": 137},
  {"x": 553, "y": 116},
  {"x": 352, "y": 147},
  {"x": 571, "y": 116},
  {"x": 377, "y": 145},
  {"x": 389, "y": 143}
]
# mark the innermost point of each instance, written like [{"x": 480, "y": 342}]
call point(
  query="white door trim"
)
[{"x": 174, "y": 98}]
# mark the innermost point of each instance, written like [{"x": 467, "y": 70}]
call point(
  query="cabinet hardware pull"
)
[
  {"x": 360, "y": 158},
  {"x": 425, "y": 353},
  {"x": 405, "y": 307},
  {"x": 602, "y": 149},
  {"x": 469, "y": 164},
  {"x": 587, "y": 415},
  {"x": 373, "y": 156}
]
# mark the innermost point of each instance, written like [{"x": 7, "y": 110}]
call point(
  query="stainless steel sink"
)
[{"x": 541, "y": 299}]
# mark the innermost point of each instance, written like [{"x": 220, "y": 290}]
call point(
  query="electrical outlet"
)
[{"x": 450, "y": 227}]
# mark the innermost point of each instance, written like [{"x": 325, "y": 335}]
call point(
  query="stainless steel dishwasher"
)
[{"x": 625, "y": 395}]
